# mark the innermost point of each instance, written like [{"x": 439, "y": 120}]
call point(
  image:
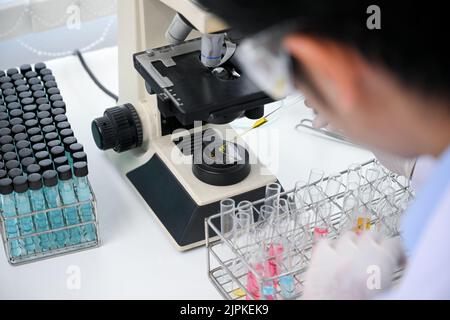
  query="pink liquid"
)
[
  {"x": 253, "y": 284},
  {"x": 320, "y": 233}
]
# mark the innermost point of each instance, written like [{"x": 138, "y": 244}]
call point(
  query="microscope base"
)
[{"x": 177, "y": 212}]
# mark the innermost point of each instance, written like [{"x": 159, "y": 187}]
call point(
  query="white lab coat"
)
[{"x": 426, "y": 234}]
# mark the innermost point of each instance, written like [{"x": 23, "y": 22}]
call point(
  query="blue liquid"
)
[
  {"x": 38, "y": 203},
  {"x": 26, "y": 223},
  {"x": 287, "y": 285},
  {"x": 55, "y": 216},
  {"x": 86, "y": 210},
  {"x": 8, "y": 206},
  {"x": 71, "y": 214}
]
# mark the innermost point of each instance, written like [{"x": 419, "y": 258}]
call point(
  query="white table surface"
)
[{"x": 136, "y": 260}]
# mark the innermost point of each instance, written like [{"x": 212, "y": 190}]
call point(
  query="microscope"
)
[{"x": 179, "y": 88}]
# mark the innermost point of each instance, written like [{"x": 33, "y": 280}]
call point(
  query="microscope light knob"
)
[{"x": 119, "y": 129}]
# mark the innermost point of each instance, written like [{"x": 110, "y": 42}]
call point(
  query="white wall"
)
[{"x": 38, "y": 30}]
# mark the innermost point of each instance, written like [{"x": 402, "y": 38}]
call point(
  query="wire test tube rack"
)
[{"x": 229, "y": 261}]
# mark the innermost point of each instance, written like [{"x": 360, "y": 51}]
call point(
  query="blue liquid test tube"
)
[
  {"x": 8, "y": 207},
  {"x": 23, "y": 206},
  {"x": 54, "y": 201},
  {"x": 83, "y": 192},
  {"x": 67, "y": 193},
  {"x": 38, "y": 204}
]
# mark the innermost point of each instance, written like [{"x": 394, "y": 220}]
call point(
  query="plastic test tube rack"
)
[
  {"x": 229, "y": 264},
  {"x": 39, "y": 152}
]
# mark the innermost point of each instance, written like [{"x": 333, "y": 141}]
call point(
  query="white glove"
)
[{"x": 353, "y": 267}]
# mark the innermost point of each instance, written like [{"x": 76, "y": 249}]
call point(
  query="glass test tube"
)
[
  {"x": 273, "y": 191},
  {"x": 83, "y": 192}
]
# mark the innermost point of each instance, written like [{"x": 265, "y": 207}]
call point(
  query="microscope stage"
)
[{"x": 192, "y": 92}]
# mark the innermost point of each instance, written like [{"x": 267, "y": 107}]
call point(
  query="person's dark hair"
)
[{"x": 409, "y": 43}]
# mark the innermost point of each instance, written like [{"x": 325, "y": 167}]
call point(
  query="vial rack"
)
[{"x": 36, "y": 137}]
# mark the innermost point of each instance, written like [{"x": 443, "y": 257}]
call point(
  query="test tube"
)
[
  {"x": 83, "y": 192},
  {"x": 227, "y": 208},
  {"x": 354, "y": 174},
  {"x": 273, "y": 191},
  {"x": 246, "y": 207},
  {"x": 9, "y": 213},
  {"x": 334, "y": 184},
  {"x": 349, "y": 206},
  {"x": 315, "y": 176},
  {"x": 23, "y": 209},
  {"x": 286, "y": 280},
  {"x": 323, "y": 224}
]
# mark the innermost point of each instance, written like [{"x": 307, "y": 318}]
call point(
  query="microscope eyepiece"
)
[{"x": 119, "y": 129}]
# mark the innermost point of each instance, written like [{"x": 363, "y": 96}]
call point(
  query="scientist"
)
[{"x": 381, "y": 74}]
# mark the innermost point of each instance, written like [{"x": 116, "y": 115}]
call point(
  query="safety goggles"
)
[{"x": 265, "y": 61}]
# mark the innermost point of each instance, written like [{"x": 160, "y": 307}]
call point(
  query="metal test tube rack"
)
[
  {"x": 27, "y": 258},
  {"x": 228, "y": 263}
]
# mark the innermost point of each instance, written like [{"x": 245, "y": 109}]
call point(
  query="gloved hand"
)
[
  {"x": 398, "y": 165},
  {"x": 353, "y": 267}
]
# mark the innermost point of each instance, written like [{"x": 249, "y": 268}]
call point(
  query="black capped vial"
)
[
  {"x": 48, "y": 77},
  {"x": 59, "y": 105},
  {"x": 32, "y": 123},
  {"x": 58, "y": 111},
  {"x": 76, "y": 147},
  {"x": 61, "y": 161},
  {"x": 33, "y": 168},
  {"x": 17, "y": 113},
  {"x": 35, "y": 131},
  {"x": 31, "y": 75},
  {"x": 6, "y": 187},
  {"x": 57, "y": 152},
  {"x": 48, "y": 129},
  {"x": 3, "y": 174},
  {"x": 46, "y": 164},
  {"x": 63, "y": 125},
  {"x": 38, "y": 147},
  {"x": 4, "y": 124},
  {"x": 60, "y": 118},
  {"x": 39, "y": 94},
  {"x": 42, "y": 155},
  {"x": 52, "y": 91},
  {"x": 39, "y": 66},
  {"x": 15, "y": 121},
  {"x": 35, "y": 182},
  {"x": 37, "y": 139},
  {"x": 51, "y": 136},
  {"x": 15, "y": 173},
  {"x": 50, "y": 178},
  {"x": 46, "y": 122},
  {"x": 29, "y": 116},
  {"x": 66, "y": 133},
  {"x": 68, "y": 142},
  {"x": 5, "y": 132},
  {"x": 25, "y": 153},
  {"x": 54, "y": 98},
  {"x": 79, "y": 157},
  {"x": 25, "y": 68},
  {"x": 12, "y": 164},
  {"x": 24, "y": 144},
  {"x": 27, "y": 162},
  {"x": 43, "y": 114},
  {"x": 53, "y": 143},
  {"x": 42, "y": 100},
  {"x": 33, "y": 81},
  {"x": 45, "y": 107},
  {"x": 6, "y": 139},
  {"x": 13, "y": 106},
  {"x": 64, "y": 173},
  {"x": 45, "y": 72},
  {"x": 21, "y": 186},
  {"x": 30, "y": 108},
  {"x": 10, "y": 155}
]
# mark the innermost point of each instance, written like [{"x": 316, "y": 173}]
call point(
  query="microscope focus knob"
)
[{"x": 120, "y": 129}]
